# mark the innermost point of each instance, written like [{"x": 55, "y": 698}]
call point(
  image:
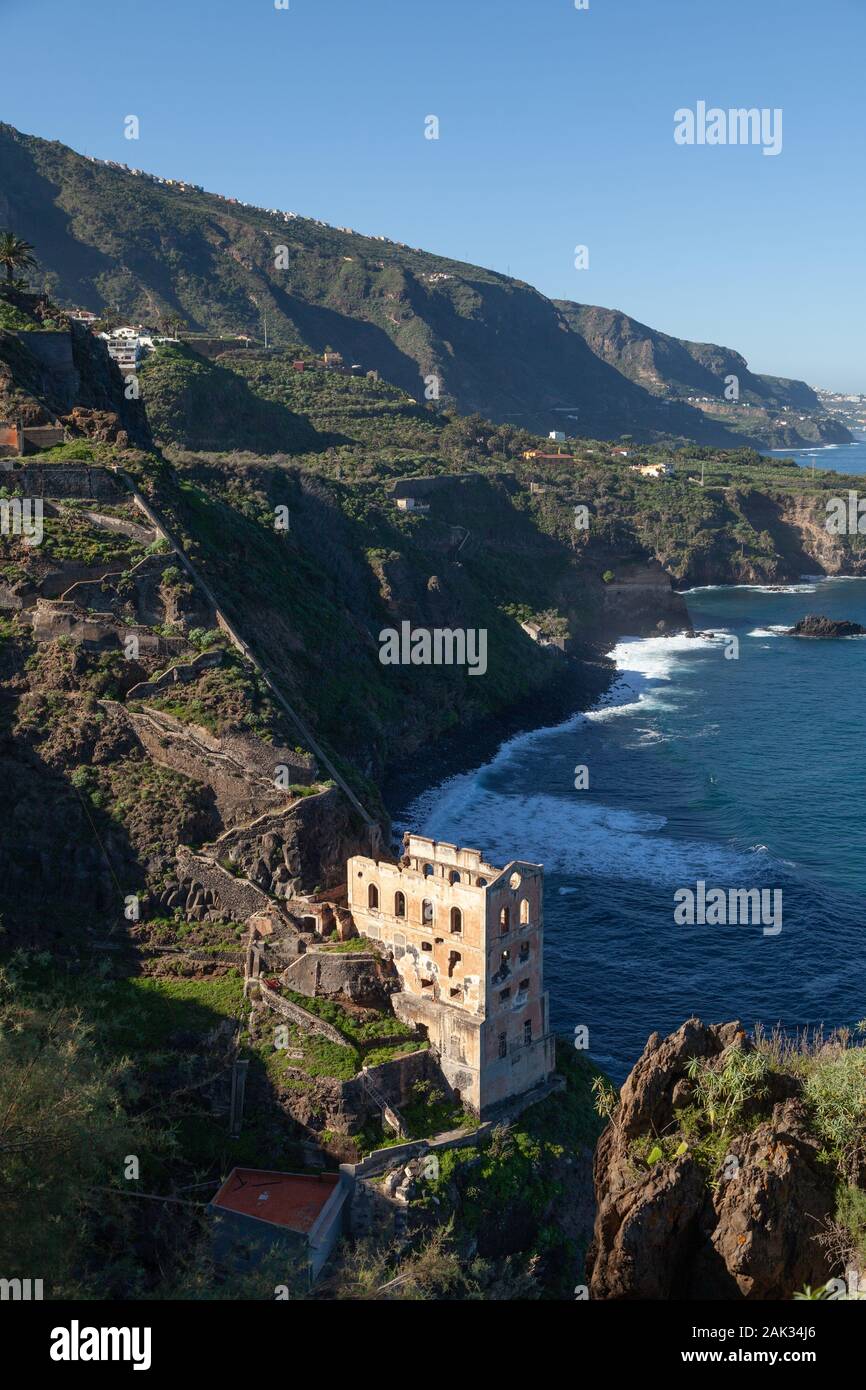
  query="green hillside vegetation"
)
[
  {"x": 199, "y": 403},
  {"x": 132, "y": 248}
]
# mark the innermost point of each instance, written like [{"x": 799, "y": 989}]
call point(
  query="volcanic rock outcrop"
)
[
  {"x": 814, "y": 625},
  {"x": 667, "y": 1227}
]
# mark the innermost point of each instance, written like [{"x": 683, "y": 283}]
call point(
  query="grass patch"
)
[
  {"x": 372, "y": 1025},
  {"x": 144, "y": 1011},
  {"x": 357, "y": 944}
]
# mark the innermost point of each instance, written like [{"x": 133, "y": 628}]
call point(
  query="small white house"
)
[
  {"x": 127, "y": 346},
  {"x": 653, "y": 470},
  {"x": 557, "y": 436},
  {"x": 85, "y": 316}
]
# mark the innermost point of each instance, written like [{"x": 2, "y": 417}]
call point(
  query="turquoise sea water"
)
[{"x": 747, "y": 772}]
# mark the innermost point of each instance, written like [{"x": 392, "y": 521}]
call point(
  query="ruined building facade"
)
[{"x": 467, "y": 941}]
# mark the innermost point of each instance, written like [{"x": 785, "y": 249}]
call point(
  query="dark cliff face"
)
[
  {"x": 713, "y": 1178},
  {"x": 53, "y": 369},
  {"x": 674, "y": 368},
  {"x": 666, "y": 364}
]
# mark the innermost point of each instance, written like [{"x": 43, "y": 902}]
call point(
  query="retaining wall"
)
[
  {"x": 309, "y": 1022},
  {"x": 362, "y": 978}
]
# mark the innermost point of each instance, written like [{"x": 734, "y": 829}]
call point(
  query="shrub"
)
[
  {"x": 723, "y": 1092},
  {"x": 851, "y": 1215},
  {"x": 835, "y": 1091}
]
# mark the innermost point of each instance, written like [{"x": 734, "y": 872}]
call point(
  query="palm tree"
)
[
  {"x": 172, "y": 324},
  {"x": 15, "y": 254}
]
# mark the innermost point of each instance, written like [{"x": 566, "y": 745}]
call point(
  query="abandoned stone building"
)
[{"x": 466, "y": 939}]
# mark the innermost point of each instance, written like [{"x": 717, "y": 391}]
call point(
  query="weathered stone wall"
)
[
  {"x": 17, "y": 596},
  {"x": 456, "y": 1036},
  {"x": 302, "y": 1017},
  {"x": 60, "y": 583},
  {"x": 319, "y": 917},
  {"x": 382, "y": 1160},
  {"x": 145, "y": 534},
  {"x": 395, "y": 1080},
  {"x": 36, "y": 437},
  {"x": 364, "y": 979},
  {"x": 64, "y": 480},
  {"x": 238, "y": 768},
  {"x": 241, "y": 796},
  {"x": 264, "y": 759},
  {"x": 52, "y": 619}
]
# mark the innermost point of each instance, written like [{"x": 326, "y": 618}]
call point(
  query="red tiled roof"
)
[{"x": 293, "y": 1200}]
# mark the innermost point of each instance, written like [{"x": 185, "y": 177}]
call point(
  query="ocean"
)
[
  {"x": 741, "y": 773},
  {"x": 841, "y": 458}
]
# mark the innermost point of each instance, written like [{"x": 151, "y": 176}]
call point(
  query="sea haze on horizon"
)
[{"x": 744, "y": 773}]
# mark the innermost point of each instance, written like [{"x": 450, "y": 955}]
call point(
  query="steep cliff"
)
[
  {"x": 730, "y": 1168},
  {"x": 777, "y": 411}
]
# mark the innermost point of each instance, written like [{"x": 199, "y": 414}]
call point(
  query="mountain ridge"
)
[
  {"x": 116, "y": 240},
  {"x": 709, "y": 361}
]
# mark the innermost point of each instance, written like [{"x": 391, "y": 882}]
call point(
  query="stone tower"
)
[{"x": 467, "y": 941}]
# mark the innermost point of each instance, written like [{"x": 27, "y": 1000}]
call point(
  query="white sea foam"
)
[
  {"x": 575, "y": 835},
  {"x": 774, "y": 630},
  {"x": 835, "y": 578},
  {"x": 806, "y": 586},
  {"x": 803, "y": 588},
  {"x": 576, "y": 838},
  {"x": 655, "y": 657}
]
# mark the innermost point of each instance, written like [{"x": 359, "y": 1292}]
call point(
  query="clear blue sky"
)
[{"x": 556, "y": 128}]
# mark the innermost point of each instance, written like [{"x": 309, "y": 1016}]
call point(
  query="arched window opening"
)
[
  {"x": 373, "y": 897},
  {"x": 524, "y": 912},
  {"x": 399, "y": 904},
  {"x": 456, "y": 919},
  {"x": 504, "y": 916},
  {"x": 428, "y": 870},
  {"x": 426, "y": 911},
  {"x": 453, "y": 877}
]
